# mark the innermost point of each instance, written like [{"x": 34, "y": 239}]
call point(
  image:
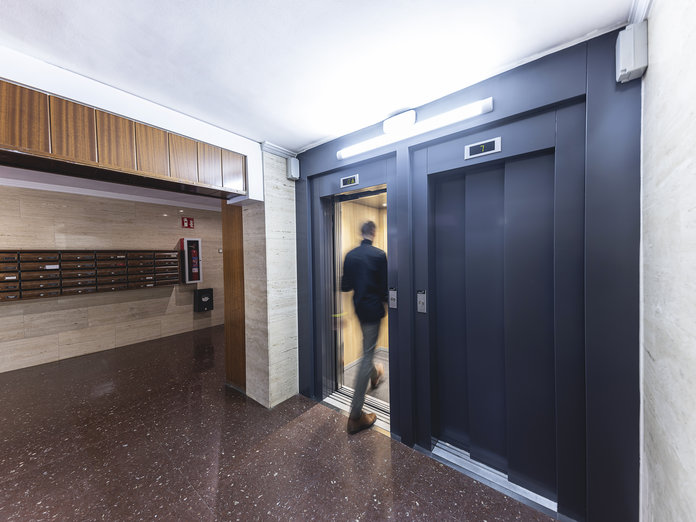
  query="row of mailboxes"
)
[
  {"x": 53, "y": 273},
  {"x": 37, "y": 274}
]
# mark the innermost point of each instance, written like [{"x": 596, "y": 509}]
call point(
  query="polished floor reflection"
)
[{"x": 149, "y": 432}]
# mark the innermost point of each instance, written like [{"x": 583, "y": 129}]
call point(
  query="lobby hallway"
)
[{"x": 149, "y": 432}]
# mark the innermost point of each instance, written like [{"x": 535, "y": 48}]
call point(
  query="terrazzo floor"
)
[{"x": 149, "y": 432}]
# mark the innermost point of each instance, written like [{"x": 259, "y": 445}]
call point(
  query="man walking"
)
[{"x": 365, "y": 272}]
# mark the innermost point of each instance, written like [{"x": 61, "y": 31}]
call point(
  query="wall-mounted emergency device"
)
[
  {"x": 193, "y": 269},
  {"x": 632, "y": 52},
  {"x": 203, "y": 300}
]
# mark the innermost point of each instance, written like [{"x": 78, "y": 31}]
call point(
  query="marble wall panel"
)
[
  {"x": 138, "y": 331},
  {"x": 668, "y": 466},
  {"x": 281, "y": 263},
  {"x": 26, "y": 233},
  {"x": 87, "y": 340},
  {"x": 77, "y": 325},
  {"x": 176, "y": 323},
  {"x": 271, "y": 288},
  {"x": 28, "y": 352},
  {"x": 38, "y": 325},
  {"x": 255, "y": 303},
  {"x": 118, "y": 313},
  {"x": 11, "y": 326},
  {"x": 10, "y": 207}
]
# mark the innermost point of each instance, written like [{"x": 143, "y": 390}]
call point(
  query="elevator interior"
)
[{"x": 350, "y": 212}]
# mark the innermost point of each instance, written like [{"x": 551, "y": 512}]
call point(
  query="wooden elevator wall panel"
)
[
  {"x": 73, "y": 130},
  {"x": 183, "y": 158},
  {"x": 115, "y": 141},
  {"x": 233, "y": 170},
  {"x": 152, "y": 150},
  {"x": 353, "y": 215},
  {"x": 23, "y": 118},
  {"x": 209, "y": 164},
  {"x": 233, "y": 267}
]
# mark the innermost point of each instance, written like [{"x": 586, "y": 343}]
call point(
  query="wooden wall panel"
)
[
  {"x": 233, "y": 263},
  {"x": 209, "y": 164},
  {"x": 233, "y": 170},
  {"x": 74, "y": 134},
  {"x": 183, "y": 158},
  {"x": 115, "y": 141},
  {"x": 152, "y": 150},
  {"x": 23, "y": 118},
  {"x": 73, "y": 130},
  {"x": 353, "y": 215}
]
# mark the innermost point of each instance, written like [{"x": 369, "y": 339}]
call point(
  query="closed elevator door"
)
[{"x": 493, "y": 261}]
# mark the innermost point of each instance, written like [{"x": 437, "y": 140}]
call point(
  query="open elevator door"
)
[{"x": 350, "y": 211}]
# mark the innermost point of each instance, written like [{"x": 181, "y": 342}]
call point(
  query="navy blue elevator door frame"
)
[{"x": 324, "y": 190}]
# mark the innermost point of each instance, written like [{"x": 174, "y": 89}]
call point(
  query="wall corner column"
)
[{"x": 270, "y": 282}]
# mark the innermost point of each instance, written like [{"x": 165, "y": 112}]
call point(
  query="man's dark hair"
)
[{"x": 368, "y": 228}]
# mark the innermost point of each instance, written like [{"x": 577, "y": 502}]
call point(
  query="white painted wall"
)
[
  {"x": 30, "y": 72},
  {"x": 669, "y": 265}
]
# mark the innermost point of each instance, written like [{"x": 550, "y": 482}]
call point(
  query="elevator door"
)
[
  {"x": 350, "y": 213},
  {"x": 493, "y": 327}
]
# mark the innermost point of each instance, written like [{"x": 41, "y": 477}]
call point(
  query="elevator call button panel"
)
[
  {"x": 421, "y": 307},
  {"x": 392, "y": 298}
]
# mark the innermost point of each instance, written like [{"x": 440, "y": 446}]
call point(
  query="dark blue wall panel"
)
[
  {"x": 612, "y": 287},
  {"x": 569, "y": 309},
  {"x": 305, "y": 324}
]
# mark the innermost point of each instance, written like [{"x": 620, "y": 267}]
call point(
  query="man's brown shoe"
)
[
  {"x": 377, "y": 379},
  {"x": 363, "y": 422}
]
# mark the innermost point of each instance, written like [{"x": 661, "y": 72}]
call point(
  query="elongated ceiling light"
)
[{"x": 404, "y": 126}]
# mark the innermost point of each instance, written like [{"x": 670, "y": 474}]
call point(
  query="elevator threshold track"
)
[
  {"x": 461, "y": 461},
  {"x": 342, "y": 398}
]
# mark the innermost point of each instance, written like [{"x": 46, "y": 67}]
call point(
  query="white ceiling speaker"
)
[{"x": 632, "y": 52}]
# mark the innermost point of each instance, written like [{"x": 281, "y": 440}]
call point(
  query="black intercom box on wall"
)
[{"x": 203, "y": 300}]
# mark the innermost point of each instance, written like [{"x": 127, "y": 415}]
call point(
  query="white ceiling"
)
[{"x": 297, "y": 72}]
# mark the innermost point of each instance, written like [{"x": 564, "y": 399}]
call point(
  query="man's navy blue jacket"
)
[{"x": 365, "y": 272}]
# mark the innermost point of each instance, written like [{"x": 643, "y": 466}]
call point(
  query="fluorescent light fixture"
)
[
  {"x": 399, "y": 123},
  {"x": 421, "y": 127}
]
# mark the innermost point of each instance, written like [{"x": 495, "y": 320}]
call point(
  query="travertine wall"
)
[
  {"x": 270, "y": 286},
  {"x": 669, "y": 264},
  {"x": 255, "y": 302},
  {"x": 45, "y": 330}
]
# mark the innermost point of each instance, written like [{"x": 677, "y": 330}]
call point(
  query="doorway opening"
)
[{"x": 350, "y": 211}]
